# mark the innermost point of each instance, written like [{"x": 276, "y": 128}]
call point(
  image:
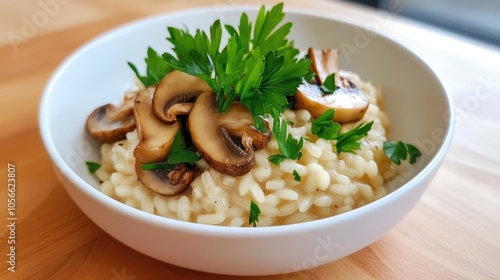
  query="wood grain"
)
[{"x": 452, "y": 233}]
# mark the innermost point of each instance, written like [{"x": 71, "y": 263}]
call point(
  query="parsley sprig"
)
[
  {"x": 156, "y": 68},
  {"x": 253, "y": 218},
  {"x": 257, "y": 66},
  {"x": 92, "y": 166},
  {"x": 349, "y": 142},
  {"x": 324, "y": 127},
  {"x": 179, "y": 153},
  {"x": 296, "y": 176},
  {"x": 398, "y": 151},
  {"x": 329, "y": 86},
  {"x": 289, "y": 146}
]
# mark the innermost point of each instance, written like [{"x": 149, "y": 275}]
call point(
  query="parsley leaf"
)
[
  {"x": 289, "y": 146},
  {"x": 296, "y": 176},
  {"x": 157, "y": 165},
  {"x": 194, "y": 52},
  {"x": 181, "y": 156},
  {"x": 328, "y": 86},
  {"x": 179, "y": 153},
  {"x": 324, "y": 126},
  {"x": 399, "y": 150},
  {"x": 93, "y": 166},
  {"x": 349, "y": 141},
  {"x": 276, "y": 159},
  {"x": 254, "y": 214},
  {"x": 156, "y": 68},
  {"x": 278, "y": 78}
]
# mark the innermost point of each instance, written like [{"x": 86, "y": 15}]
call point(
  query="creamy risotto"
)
[{"x": 329, "y": 184}]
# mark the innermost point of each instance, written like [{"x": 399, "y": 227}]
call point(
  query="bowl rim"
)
[{"x": 195, "y": 228}]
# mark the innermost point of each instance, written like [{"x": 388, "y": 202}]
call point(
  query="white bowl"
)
[{"x": 97, "y": 73}]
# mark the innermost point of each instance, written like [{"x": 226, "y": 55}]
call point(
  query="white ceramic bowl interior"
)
[{"x": 97, "y": 73}]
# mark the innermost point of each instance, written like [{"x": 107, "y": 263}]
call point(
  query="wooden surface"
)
[{"x": 452, "y": 233}]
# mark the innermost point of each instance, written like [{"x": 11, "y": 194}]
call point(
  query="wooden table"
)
[{"x": 452, "y": 233}]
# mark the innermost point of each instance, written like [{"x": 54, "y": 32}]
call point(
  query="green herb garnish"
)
[
  {"x": 296, "y": 176},
  {"x": 328, "y": 86},
  {"x": 289, "y": 146},
  {"x": 156, "y": 69},
  {"x": 399, "y": 150},
  {"x": 257, "y": 66},
  {"x": 93, "y": 166},
  {"x": 157, "y": 165},
  {"x": 254, "y": 214},
  {"x": 179, "y": 153},
  {"x": 324, "y": 126},
  {"x": 327, "y": 129},
  {"x": 349, "y": 142}
]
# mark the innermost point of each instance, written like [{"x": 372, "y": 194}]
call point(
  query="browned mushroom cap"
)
[
  {"x": 156, "y": 137},
  {"x": 167, "y": 182},
  {"x": 226, "y": 141},
  {"x": 175, "y": 95},
  {"x": 349, "y": 102},
  {"x": 110, "y": 123}
]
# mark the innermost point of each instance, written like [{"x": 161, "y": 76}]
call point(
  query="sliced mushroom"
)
[
  {"x": 323, "y": 62},
  {"x": 175, "y": 95},
  {"x": 110, "y": 123},
  {"x": 156, "y": 138},
  {"x": 350, "y": 103},
  {"x": 167, "y": 182},
  {"x": 226, "y": 141}
]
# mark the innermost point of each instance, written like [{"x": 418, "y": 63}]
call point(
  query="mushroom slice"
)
[
  {"x": 324, "y": 63},
  {"x": 226, "y": 141},
  {"x": 110, "y": 123},
  {"x": 156, "y": 137},
  {"x": 349, "y": 102},
  {"x": 167, "y": 182},
  {"x": 175, "y": 95}
]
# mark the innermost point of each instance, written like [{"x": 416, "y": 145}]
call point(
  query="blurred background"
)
[{"x": 479, "y": 19}]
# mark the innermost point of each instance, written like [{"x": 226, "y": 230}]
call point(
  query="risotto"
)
[{"x": 329, "y": 183}]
